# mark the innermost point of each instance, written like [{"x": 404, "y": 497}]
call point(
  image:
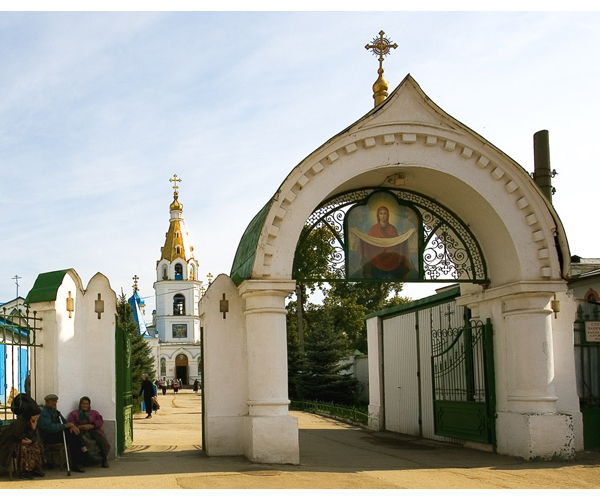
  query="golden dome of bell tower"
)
[{"x": 177, "y": 240}]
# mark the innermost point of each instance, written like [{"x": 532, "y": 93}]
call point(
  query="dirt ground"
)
[{"x": 167, "y": 453}]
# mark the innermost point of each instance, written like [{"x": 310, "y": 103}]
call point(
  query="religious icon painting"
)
[
  {"x": 180, "y": 331},
  {"x": 383, "y": 240}
]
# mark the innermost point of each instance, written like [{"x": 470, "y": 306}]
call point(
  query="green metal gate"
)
[
  {"x": 123, "y": 390},
  {"x": 462, "y": 364},
  {"x": 587, "y": 366}
]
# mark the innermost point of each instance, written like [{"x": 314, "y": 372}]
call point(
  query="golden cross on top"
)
[
  {"x": 381, "y": 46},
  {"x": 210, "y": 277},
  {"x": 175, "y": 180},
  {"x": 135, "y": 280}
]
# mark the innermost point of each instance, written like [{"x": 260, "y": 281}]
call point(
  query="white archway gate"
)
[{"x": 405, "y": 140}]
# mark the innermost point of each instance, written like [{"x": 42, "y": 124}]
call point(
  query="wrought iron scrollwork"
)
[{"x": 449, "y": 251}]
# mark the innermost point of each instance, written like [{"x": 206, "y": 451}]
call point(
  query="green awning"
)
[{"x": 46, "y": 286}]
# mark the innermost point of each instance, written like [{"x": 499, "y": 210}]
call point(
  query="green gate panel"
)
[
  {"x": 462, "y": 420},
  {"x": 462, "y": 366},
  {"x": 123, "y": 390},
  {"x": 591, "y": 427}
]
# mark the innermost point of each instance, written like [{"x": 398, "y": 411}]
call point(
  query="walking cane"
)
[{"x": 66, "y": 453}]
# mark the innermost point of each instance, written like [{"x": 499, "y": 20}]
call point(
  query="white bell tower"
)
[{"x": 177, "y": 287}]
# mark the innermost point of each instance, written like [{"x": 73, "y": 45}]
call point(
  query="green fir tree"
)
[
  {"x": 322, "y": 378},
  {"x": 142, "y": 360},
  {"x": 296, "y": 357}
]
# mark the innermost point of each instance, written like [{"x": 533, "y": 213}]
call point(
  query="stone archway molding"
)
[{"x": 525, "y": 247}]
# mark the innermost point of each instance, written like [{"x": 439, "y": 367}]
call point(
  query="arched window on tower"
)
[
  {"x": 178, "y": 272},
  {"x": 192, "y": 272},
  {"x": 179, "y": 305}
]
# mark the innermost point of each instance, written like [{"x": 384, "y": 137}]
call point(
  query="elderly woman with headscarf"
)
[
  {"x": 89, "y": 422},
  {"x": 22, "y": 437}
]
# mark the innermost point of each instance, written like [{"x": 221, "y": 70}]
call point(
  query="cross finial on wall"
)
[
  {"x": 70, "y": 304},
  {"x": 224, "y": 306},
  {"x": 99, "y": 306}
]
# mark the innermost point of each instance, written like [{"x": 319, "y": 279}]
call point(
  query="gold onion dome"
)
[
  {"x": 176, "y": 205},
  {"x": 381, "y": 85}
]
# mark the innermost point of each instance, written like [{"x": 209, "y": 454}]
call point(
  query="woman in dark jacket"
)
[{"x": 22, "y": 437}]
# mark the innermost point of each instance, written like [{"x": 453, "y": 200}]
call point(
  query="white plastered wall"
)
[
  {"x": 78, "y": 354},
  {"x": 225, "y": 379}
]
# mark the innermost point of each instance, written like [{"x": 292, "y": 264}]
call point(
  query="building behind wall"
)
[
  {"x": 174, "y": 333},
  {"x": 585, "y": 287}
]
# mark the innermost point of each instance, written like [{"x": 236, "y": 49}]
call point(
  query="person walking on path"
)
[
  {"x": 148, "y": 392},
  {"x": 196, "y": 386}
]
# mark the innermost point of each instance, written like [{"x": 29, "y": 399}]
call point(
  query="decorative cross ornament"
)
[
  {"x": 175, "y": 180},
  {"x": 448, "y": 314},
  {"x": 381, "y": 47},
  {"x": 17, "y": 278},
  {"x": 210, "y": 277},
  {"x": 99, "y": 306},
  {"x": 70, "y": 304},
  {"x": 224, "y": 306},
  {"x": 135, "y": 282}
]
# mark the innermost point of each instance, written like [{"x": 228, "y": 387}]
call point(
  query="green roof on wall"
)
[
  {"x": 244, "y": 257},
  {"x": 415, "y": 305},
  {"x": 46, "y": 286}
]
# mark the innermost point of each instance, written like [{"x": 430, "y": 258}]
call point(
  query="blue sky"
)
[{"x": 99, "y": 109}]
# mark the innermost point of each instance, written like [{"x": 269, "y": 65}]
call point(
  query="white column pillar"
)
[
  {"x": 374, "y": 338},
  {"x": 529, "y": 353},
  {"x": 531, "y": 427},
  {"x": 271, "y": 434},
  {"x": 528, "y": 424}
]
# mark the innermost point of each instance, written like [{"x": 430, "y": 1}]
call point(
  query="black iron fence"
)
[
  {"x": 18, "y": 353},
  {"x": 351, "y": 413}
]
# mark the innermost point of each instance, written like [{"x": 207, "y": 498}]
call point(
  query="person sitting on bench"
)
[
  {"x": 21, "y": 438},
  {"x": 90, "y": 423},
  {"x": 52, "y": 424}
]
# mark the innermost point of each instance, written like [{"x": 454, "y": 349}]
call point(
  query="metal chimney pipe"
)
[{"x": 541, "y": 160}]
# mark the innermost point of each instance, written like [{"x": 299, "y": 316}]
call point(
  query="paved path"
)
[{"x": 166, "y": 453}]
